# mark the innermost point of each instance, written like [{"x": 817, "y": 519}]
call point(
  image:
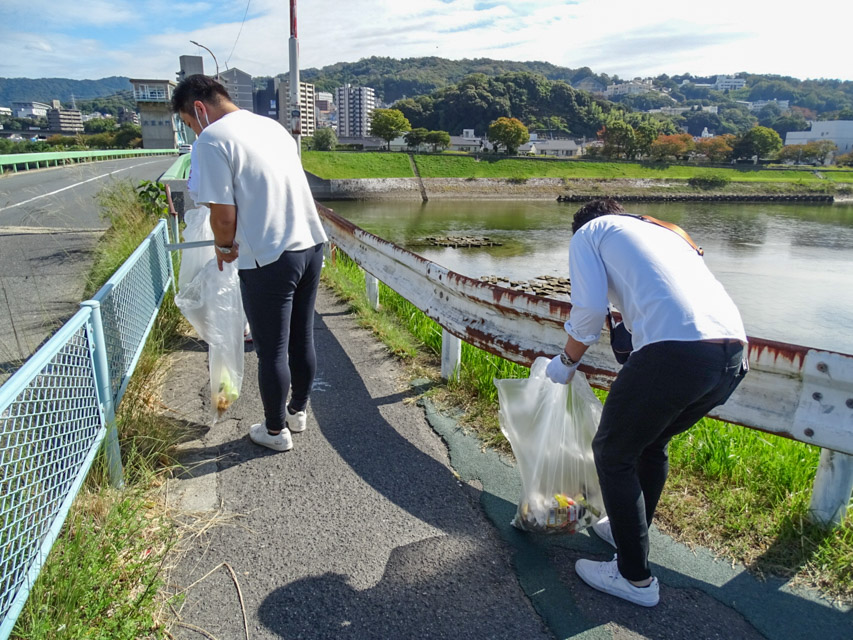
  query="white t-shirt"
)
[
  {"x": 660, "y": 284},
  {"x": 250, "y": 161}
]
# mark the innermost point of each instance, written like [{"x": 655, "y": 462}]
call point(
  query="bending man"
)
[{"x": 688, "y": 341}]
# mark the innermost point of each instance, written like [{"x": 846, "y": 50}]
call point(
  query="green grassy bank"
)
[
  {"x": 353, "y": 165},
  {"x": 739, "y": 492},
  {"x": 102, "y": 576}
]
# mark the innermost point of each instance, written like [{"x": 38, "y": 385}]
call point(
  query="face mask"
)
[{"x": 207, "y": 120}]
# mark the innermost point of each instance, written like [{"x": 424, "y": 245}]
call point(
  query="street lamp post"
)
[{"x": 211, "y": 55}]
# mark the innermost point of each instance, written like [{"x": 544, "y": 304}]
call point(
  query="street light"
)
[{"x": 211, "y": 55}]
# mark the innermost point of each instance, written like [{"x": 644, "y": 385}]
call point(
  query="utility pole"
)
[{"x": 295, "y": 115}]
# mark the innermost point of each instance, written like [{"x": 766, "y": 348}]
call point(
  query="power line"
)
[{"x": 238, "y": 33}]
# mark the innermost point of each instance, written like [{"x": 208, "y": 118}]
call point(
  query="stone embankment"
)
[{"x": 566, "y": 190}]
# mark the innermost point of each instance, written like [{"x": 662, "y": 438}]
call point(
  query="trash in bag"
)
[
  {"x": 212, "y": 304},
  {"x": 550, "y": 427},
  {"x": 192, "y": 260}
]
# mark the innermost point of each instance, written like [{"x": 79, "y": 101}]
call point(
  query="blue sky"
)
[{"x": 143, "y": 38}]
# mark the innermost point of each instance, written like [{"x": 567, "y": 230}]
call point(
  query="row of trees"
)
[
  {"x": 126, "y": 136},
  {"x": 621, "y": 140}
]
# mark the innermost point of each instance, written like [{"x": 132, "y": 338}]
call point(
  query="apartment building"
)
[
  {"x": 65, "y": 121},
  {"x": 240, "y": 88},
  {"x": 355, "y": 107},
  {"x": 306, "y": 107}
]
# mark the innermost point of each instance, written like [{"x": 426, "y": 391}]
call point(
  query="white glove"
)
[{"x": 560, "y": 373}]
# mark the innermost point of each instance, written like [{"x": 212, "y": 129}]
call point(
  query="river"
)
[{"x": 789, "y": 267}]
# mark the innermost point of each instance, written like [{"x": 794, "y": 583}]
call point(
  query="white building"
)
[
  {"x": 306, "y": 107},
  {"x": 550, "y": 148},
  {"x": 675, "y": 111},
  {"x": 355, "y": 109},
  {"x": 758, "y": 105},
  {"x": 468, "y": 141},
  {"x": 30, "y": 109},
  {"x": 838, "y": 131},
  {"x": 729, "y": 83},
  {"x": 632, "y": 88}
]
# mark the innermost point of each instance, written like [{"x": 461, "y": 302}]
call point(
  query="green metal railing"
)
[
  {"x": 58, "y": 408},
  {"x": 24, "y": 161}
]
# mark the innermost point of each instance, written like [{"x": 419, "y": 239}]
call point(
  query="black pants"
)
[
  {"x": 279, "y": 304},
  {"x": 663, "y": 390}
]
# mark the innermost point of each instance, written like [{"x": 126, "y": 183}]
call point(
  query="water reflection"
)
[{"x": 788, "y": 266}]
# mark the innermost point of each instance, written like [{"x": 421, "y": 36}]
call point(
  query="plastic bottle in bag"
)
[{"x": 550, "y": 427}]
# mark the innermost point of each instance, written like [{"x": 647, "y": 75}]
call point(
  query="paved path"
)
[
  {"x": 49, "y": 225},
  {"x": 387, "y": 521}
]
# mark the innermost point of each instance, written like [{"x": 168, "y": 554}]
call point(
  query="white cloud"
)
[{"x": 610, "y": 36}]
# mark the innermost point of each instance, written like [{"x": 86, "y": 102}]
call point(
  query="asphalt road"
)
[{"x": 49, "y": 225}]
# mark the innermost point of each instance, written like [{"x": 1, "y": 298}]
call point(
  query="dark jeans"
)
[
  {"x": 279, "y": 304},
  {"x": 663, "y": 390}
]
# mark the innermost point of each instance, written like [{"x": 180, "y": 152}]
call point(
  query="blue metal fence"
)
[{"x": 57, "y": 409}]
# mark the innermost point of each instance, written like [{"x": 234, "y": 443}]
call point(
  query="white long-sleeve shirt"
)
[{"x": 658, "y": 282}]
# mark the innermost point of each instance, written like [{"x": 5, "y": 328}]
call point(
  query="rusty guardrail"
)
[{"x": 792, "y": 391}]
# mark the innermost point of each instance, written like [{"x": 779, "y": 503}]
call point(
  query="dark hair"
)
[
  {"x": 197, "y": 87},
  {"x": 594, "y": 209}
]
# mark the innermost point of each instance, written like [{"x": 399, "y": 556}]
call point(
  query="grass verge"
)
[
  {"x": 739, "y": 492},
  {"x": 102, "y": 576},
  {"x": 354, "y": 165},
  {"x": 339, "y": 165}
]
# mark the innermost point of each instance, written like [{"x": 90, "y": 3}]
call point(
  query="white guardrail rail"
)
[{"x": 791, "y": 391}]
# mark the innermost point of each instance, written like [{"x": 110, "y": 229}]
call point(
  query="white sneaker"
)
[
  {"x": 605, "y": 577},
  {"x": 602, "y": 530},
  {"x": 296, "y": 422},
  {"x": 280, "y": 442}
]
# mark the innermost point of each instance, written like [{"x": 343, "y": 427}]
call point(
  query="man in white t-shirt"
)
[
  {"x": 688, "y": 345},
  {"x": 262, "y": 213}
]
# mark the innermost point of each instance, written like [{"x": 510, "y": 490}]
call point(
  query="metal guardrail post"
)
[
  {"x": 832, "y": 487},
  {"x": 102, "y": 377},
  {"x": 371, "y": 285},
  {"x": 451, "y": 355}
]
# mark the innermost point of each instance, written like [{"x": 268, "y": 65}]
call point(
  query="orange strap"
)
[{"x": 675, "y": 229}]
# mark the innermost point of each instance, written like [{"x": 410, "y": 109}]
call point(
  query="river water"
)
[{"x": 789, "y": 267}]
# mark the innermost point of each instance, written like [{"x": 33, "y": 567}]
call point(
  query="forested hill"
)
[
  {"x": 47, "y": 89},
  {"x": 395, "y": 79}
]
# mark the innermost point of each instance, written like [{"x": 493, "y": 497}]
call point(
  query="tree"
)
[
  {"x": 100, "y": 125},
  {"x": 674, "y": 146},
  {"x": 644, "y": 135},
  {"x": 716, "y": 149},
  {"x": 325, "y": 139},
  {"x": 416, "y": 137},
  {"x": 509, "y": 132},
  {"x": 619, "y": 139},
  {"x": 389, "y": 124},
  {"x": 438, "y": 139},
  {"x": 758, "y": 141},
  {"x": 128, "y": 136}
]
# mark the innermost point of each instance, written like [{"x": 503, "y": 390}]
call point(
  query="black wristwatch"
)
[{"x": 566, "y": 359}]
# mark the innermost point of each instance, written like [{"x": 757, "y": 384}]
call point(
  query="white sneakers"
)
[
  {"x": 279, "y": 442},
  {"x": 296, "y": 422},
  {"x": 602, "y": 530},
  {"x": 605, "y": 577}
]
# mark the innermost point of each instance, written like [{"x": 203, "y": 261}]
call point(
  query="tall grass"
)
[
  {"x": 103, "y": 573},
  {"x": 738, "y": 491}
]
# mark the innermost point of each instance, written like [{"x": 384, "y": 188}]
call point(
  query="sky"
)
[{"x": 90, "y": 39}]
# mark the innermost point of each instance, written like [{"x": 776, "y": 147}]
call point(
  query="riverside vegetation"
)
[{"x": 739, "y": 492}]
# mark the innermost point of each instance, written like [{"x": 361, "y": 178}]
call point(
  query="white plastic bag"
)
[
  {"x": 192, "y": 260},
  {"x": 212, "y": 304},
  {"x": 550, "y": 427}
]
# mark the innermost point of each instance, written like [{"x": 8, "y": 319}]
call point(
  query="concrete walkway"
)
[{"x": 387, "y": 521}]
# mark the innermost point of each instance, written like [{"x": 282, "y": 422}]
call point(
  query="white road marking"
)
[{"x": 76, "y": 184}]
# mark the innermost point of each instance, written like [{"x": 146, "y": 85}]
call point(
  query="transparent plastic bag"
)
[
  {"x": 192, "y": 260},
  {"x": 550, "y": 428},
  {"x": 212, "y": 304}
]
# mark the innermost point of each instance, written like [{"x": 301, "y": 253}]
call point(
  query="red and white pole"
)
[{"x": 295, "y": 113}]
